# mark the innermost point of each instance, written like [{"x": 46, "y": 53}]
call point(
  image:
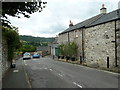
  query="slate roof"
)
[
  {"x": 114, "y": 15},
  {"x": 98, "y": 19}
]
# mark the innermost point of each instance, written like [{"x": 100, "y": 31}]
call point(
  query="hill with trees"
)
[{"x": 36, "y": 41}]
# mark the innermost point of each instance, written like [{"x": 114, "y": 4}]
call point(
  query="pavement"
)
[{"x": 15, "y": 77}]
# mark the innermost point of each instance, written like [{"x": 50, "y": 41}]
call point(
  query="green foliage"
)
[
  {"x": 73, "y": 49},
  {"x": 36, "y": 41},
  {"x": 13, "y": 41},
  {"x": 61, "y": 49},
  {"x": 28, "y": 48},
  {"x": 14, "y": 9},
  {"x": 69, "y": 49}
]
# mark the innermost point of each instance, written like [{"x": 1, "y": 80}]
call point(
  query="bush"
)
[
  {"x": 68, "y": 49},
  {"x": 13, "y": 41},
  {"x": 73, "y": 49},
  {"x": 61, "y": 49},
  {"x": 28, "y": 48}
]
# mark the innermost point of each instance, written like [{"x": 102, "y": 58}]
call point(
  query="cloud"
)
[{"x": 57, "y": 14}]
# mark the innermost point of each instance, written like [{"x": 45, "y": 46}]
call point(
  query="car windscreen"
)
[
  {"x": 36, "y": 54},
  {"x": 27, "y": 54}
]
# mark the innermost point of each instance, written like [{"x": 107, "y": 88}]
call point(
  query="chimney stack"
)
[
  {"x": 71, "y": 24},
  {"x": 103, "y": 9}
]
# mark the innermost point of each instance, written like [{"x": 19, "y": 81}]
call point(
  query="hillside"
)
[{"x": 35, "y": 39}]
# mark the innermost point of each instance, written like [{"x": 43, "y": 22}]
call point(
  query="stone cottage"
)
[
  {"x": 54, "y": 47},
  {"x": 43, "y": 50},
  {"x": 98, "y": 38}
]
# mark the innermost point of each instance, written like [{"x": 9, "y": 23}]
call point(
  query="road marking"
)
[
  {"x": 45, "y": 68},
  {"x": 51, "y": 70},
  {"x": 16, "y": 71},
  {"x": 77, "y": 84},
  {"x": 60, "y": 75},
  {"x": 25, "y": 64}
]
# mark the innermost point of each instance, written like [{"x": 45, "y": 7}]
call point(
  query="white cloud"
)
[{"x": 57, "y": 14}]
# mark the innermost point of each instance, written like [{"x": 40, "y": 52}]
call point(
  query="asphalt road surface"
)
[{"x": 48, "y": 73}]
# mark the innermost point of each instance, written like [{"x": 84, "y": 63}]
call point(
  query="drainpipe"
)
[
  {"x": 68, "y": 37},
  {"x": 83, "y": 44},
  {"x": 115, "y": 46}
]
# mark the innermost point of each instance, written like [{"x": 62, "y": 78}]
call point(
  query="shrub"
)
[
  {"x": 68, "y": 49},
  {"x": 61, "y": 49},
  {"x": 13, "y": 41},
  {"x": 73, "y": 49}
]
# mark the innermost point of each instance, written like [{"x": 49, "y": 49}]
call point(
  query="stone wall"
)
[
  {"x": 98, "y": 43},
  {"x": 72, "y": 36},
  {"x": 0, "y": 58},
  {"x": 118, "y": 41},
  {"x": 63, "y": 38},
  {"x": 76, "y": 36},
  {"x": 5, "y": 62}
]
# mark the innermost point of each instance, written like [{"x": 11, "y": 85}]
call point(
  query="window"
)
[{"x": 76, "y": 35}]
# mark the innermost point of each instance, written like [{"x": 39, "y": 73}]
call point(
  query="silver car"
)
[{"x": 26, "y": 56}]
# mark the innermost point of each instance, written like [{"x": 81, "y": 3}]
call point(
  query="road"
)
[{"x": 48, "y": 73}]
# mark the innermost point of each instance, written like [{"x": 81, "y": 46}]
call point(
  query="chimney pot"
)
[
  {"x": 103, "y": 9},
  {"x": 71, "y": 24},
  {"x": 102, "y": 5}
]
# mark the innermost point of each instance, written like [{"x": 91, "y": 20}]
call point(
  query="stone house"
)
[
  {"x": 54, "y": 47},
  {"x": 43, "y": 50},
  {"x": 98, "y": 38}
]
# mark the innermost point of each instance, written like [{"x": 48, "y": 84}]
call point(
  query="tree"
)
[
  {"x": 28, "y": 48},
  {"x": 13, "y": 41},
  {"x": 16, "y": 8}
]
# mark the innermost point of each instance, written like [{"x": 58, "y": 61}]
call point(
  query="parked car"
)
[
  {"x": 36, "y": 55},
  {"x": 26, "y": 56}
]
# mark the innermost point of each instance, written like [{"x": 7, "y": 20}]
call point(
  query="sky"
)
[{"x": 56, "y": 16}]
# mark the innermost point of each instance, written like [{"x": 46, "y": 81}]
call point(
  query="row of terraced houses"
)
[{"x": 98, "y": 38}]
